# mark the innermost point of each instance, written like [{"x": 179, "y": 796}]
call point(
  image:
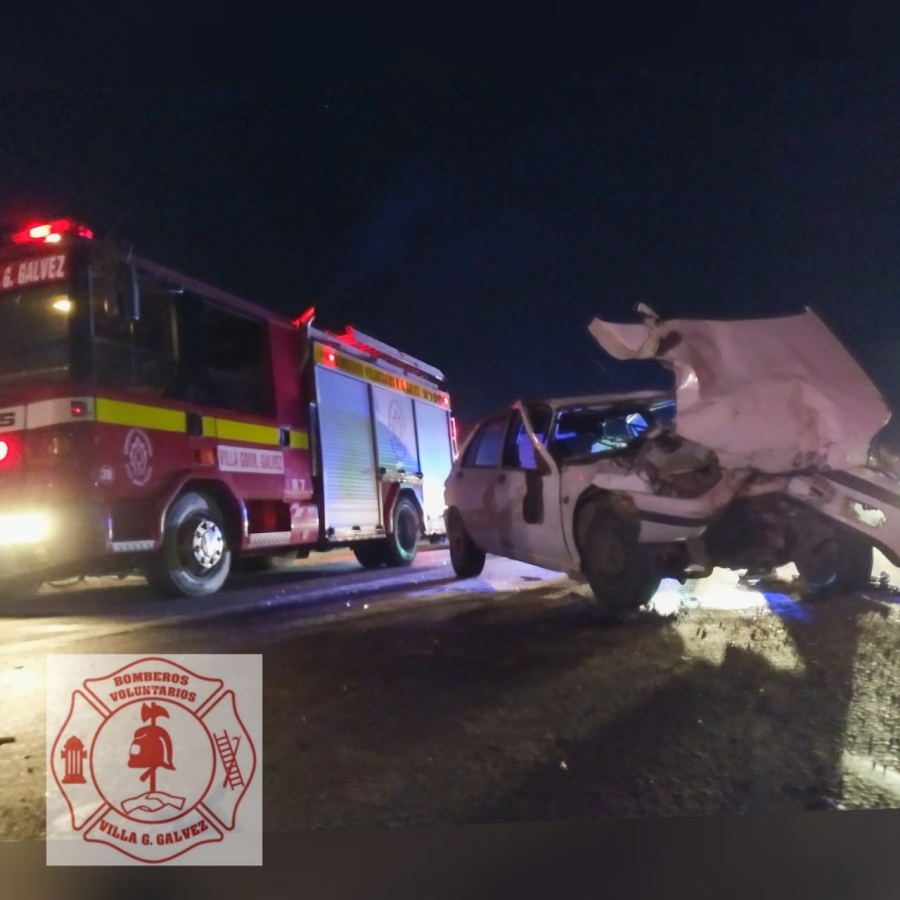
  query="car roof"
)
[
  {"x": 611, "y": 400},
  {"x": 605, "y": 399}
]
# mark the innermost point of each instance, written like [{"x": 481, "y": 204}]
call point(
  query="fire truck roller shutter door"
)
[{"x": 348, "y": 454}]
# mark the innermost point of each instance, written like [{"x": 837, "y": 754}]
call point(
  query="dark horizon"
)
[{"x": 480, "y": 223}]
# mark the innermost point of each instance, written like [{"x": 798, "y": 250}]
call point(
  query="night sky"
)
[{"x": 481, "y": 223}]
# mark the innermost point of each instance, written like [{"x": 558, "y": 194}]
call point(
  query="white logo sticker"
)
[
  {"x": 243, "y": 459},
  {"x": 138, "y": 454},
  {"x": 153, "y": 758},
  {"x": 10, "y": 419}
]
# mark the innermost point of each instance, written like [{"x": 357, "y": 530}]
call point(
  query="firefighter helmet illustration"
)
[
  {"x": 151, "y": 749},
  {"x": 152, "y": 746},
  {"x": 153, "y": 760}
]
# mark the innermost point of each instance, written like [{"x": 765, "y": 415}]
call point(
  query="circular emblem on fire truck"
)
[
  {"x": 397, "y": 428},
  {"x": 153, "y": 760},
  {"x": 138, "y": 454}
]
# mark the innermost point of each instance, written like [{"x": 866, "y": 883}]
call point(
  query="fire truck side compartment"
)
[{"x": 351, "y": 501}]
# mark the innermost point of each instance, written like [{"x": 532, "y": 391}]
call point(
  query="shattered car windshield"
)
[{"x": 586, "y": 431}]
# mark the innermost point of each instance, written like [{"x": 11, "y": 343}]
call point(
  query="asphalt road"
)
[{"x": 410, "y": 698}]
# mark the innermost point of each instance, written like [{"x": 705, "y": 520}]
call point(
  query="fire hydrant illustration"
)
[
  {"x": 151, "y": 749},
  {"x": 74, "y": 754}
]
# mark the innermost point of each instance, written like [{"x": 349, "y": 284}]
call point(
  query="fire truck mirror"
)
[{"x": 129, "y": 293}]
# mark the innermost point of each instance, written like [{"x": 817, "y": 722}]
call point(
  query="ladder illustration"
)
[{"x": 228, "y": 752}]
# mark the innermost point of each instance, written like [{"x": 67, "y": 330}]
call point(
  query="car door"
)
[
  {"x": 529, "y": 521},
  {"x": 475, "y": 482}
]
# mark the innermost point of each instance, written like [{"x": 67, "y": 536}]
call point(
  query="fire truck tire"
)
[
  {"x": 370, "y": 554},
  {"x": 194, "y": 560},
  {"x": 623, "y": 573},
  {"x": 402, "y": 544},
  {"x": 467, "y": 560}
]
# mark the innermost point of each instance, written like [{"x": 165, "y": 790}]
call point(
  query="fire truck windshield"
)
[{"x": 34, "y": 334}]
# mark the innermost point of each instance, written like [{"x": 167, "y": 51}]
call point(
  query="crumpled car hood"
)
[{"x": 775, "y": 395}]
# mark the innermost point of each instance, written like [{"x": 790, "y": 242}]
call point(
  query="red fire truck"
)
[{"x": 151, "y": 422}]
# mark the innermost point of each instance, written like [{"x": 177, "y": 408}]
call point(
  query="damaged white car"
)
[{"x": 767, "y": 451}]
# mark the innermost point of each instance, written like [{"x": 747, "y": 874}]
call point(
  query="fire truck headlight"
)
[{"x": 24, "y": 528}]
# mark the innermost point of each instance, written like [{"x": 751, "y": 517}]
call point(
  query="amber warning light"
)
[{"x": 50, "y": 232}]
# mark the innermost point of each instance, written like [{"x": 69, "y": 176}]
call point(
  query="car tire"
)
[
  {"x": 841, "y": 564},
  {"x": 623, "y": 573},
  {"x": 465, "y": 557},
  {"x": 194, "y": 560}
]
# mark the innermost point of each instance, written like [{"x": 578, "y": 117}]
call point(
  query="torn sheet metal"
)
[{"x": 774, "y": 395}]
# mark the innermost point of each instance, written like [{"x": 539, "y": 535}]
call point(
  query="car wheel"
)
[
  {"x": 840, "y": 564},
  {"x": 402, "y": 544},
  {"x": 194, "y": 560},
  {"x": 467, "y": 560},
  {"x": 623, "y": 573}
]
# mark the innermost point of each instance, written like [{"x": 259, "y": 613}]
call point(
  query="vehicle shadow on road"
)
[
  {"x": 413, "y": 721},
  {"x": 133, "y": 599},
  {"x": 740, "y": 736}
]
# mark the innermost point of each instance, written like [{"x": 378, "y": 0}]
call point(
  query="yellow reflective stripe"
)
[
  {"x": 299, "y": 440},
  {"x": 136, "y": 415},
  {"x": 117, "y": 412},
  {"x": 374, "y": 375},
  {"x": 229, "y": 430}
]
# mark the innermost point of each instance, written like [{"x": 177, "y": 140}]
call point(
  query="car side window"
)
[
  {"x": 518, "y": 451},
  {"x": 487, "y": 445}
]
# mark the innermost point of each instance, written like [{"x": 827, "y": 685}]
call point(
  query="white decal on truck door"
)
[
  {"x": 244, "y": 459},
  {"x": 138, "y": 454}
]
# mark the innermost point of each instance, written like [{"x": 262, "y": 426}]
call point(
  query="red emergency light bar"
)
[
  {"x": 349, "y": 338},
  {"x": 306, "y": 317},
  {"x": 50, "y": 232}
]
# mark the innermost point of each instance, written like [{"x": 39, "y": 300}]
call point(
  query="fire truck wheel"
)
[
  {"x": 467, "y": 560},
  {"x": 369, "y": 554},
  {"x": 402, "y": 543},
  {"x": 194, "y": 560}
]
